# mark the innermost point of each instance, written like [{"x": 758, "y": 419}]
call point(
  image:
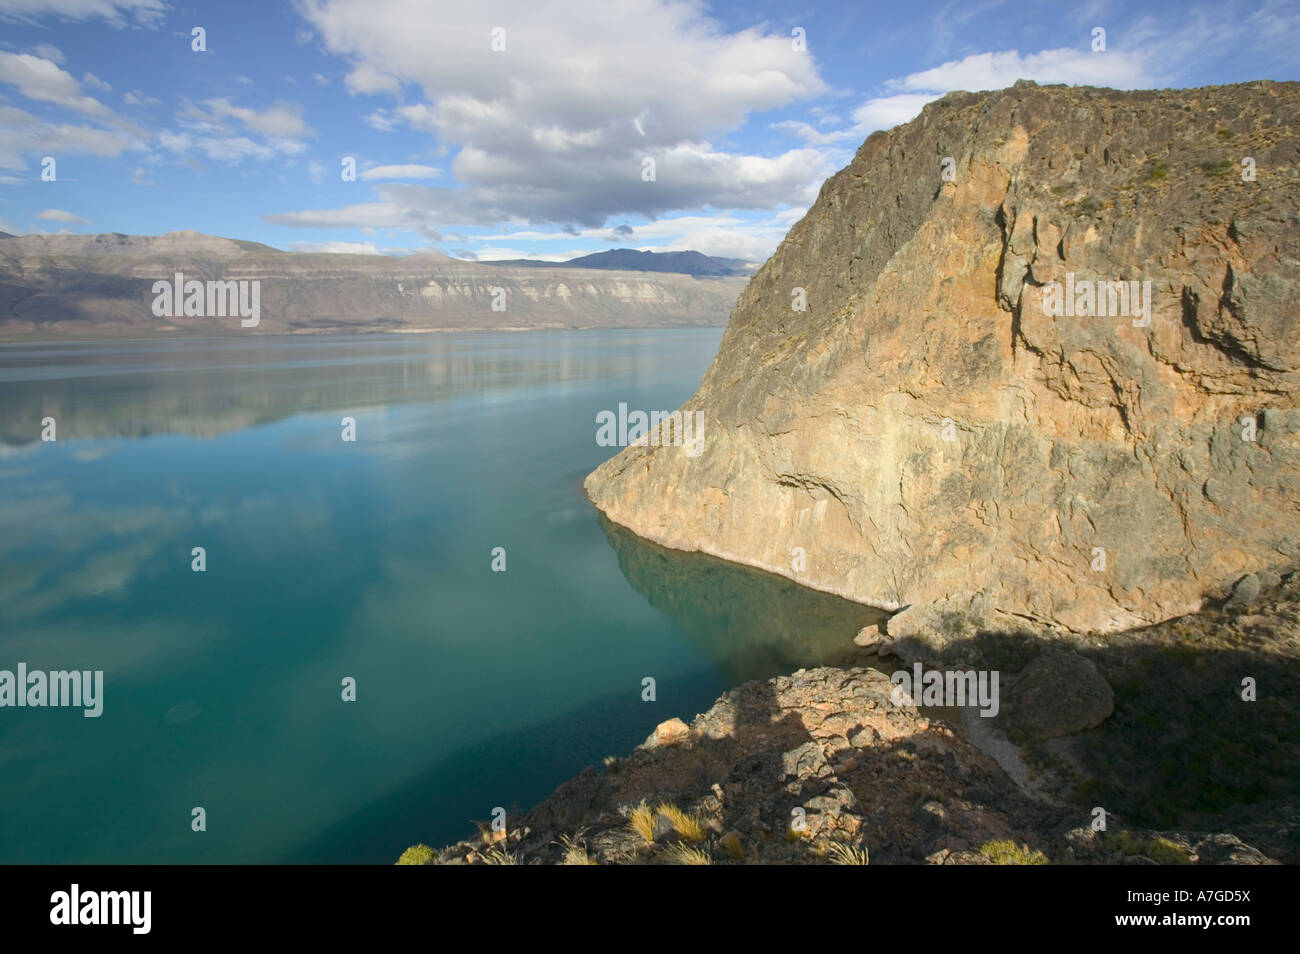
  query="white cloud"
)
[
  {"x": 22, "y": 134},
  {"x": 366, "y": 79},
  {"x": 218, "y": 128},
  {"x": 59, "y": 215},
  {"x": 810, "y": 134},
  {"x": 94, "y": 82},
  {"x": 492, "y": 253},
  {"x": 43, "y": 80},
  {"x": 555, "y": 128},
  {"x": 144, "y": 12},
  {"x": 981, "y": 71},
  {"x": 885, "y": 112},
  {"x": 48, "y": 52},
  {"x": 337, "y": 248},
  {"x": 688, "y": 176},
  {"x": 401, "y": 172},
  {"x": 282, "y": 120},
  {"x": 217, "y": 148},
  {"x": 905, "y": 96},
  {"x": 381, "y": 120}
]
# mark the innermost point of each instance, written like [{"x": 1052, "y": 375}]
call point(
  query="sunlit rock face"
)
[{"x": 934, "y": 391}]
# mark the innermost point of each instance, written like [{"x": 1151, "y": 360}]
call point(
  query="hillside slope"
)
[{"x": 100, "y": 286}]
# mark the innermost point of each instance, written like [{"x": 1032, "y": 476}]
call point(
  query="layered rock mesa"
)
[
  {"x": 100, "y": 285},
  {"x": 928, "y": 434}
]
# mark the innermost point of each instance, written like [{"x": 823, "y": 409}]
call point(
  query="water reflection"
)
[
  {"x": 754, "y": 624},
  {"x": 207, "y": 387}
]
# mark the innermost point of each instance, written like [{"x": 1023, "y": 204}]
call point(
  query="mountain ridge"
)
[
  {"x": 57, "y": 286},
  {"x": 689, "y": 262}
]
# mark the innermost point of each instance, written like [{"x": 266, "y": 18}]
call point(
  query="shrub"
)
[
  {"x": 1007, "y": 852},
  {"x": 1160, "y": 850},
  {"x": 642, "y": 821},
  {"x": 688, "y": 826},
  {"x": 842, "y": 854},
  {"x": 575, "y": 851},
  {"x": 417, "y": 855},
  {"x": 681, "y": 854},
  {"x": 730, "y": 843}
]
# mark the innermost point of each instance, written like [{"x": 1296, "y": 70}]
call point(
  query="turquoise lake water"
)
[{"x": 329, "y": 559}]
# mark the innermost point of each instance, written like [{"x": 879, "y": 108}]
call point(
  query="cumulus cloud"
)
[
  {"x": 41, "y": 79},
  {"x": 555, "y": 128},
  {"x": 687, "y": 176}
]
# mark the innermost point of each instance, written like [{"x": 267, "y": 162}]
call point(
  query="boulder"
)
[
  {"x": 670, "y": 732},
  {"x": 1059, "y": 693}
]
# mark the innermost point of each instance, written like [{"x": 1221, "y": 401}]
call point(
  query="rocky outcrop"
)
[
  {"x": 100, "y": 286},
  {"x": 931, "y": 431},
  {"x": 823, "y": 766}
]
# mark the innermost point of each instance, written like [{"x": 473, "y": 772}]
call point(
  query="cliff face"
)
[
  {"x": 940, "y": 423},
  {"x": 100, "y": 285}
]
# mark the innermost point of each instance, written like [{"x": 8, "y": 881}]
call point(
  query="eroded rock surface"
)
[{"x": 926, "y": 433}]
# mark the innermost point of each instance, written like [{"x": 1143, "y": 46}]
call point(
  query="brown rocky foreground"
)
[{"x": 829, "y": 765}]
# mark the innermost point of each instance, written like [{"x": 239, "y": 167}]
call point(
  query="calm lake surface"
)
[{"x": 329, "y": 559}]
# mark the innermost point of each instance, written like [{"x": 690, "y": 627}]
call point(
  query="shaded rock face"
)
[{"x": 924, "y": 431}]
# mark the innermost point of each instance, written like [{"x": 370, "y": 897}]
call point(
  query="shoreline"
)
[
  {"x": 185, "y": 335},
  {"x": 826, "y": 741}
]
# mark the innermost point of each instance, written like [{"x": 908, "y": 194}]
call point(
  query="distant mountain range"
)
[
  {"x": 61, "y": 286},
  {"x": 629, "y": 259}
]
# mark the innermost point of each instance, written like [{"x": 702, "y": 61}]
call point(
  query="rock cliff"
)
[{"x": 934, "y": 393}]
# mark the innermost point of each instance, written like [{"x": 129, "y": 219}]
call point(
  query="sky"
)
[{"x": 527, "y": 128}]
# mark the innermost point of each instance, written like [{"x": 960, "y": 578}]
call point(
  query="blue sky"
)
[{"x": 537, "y": 149}]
